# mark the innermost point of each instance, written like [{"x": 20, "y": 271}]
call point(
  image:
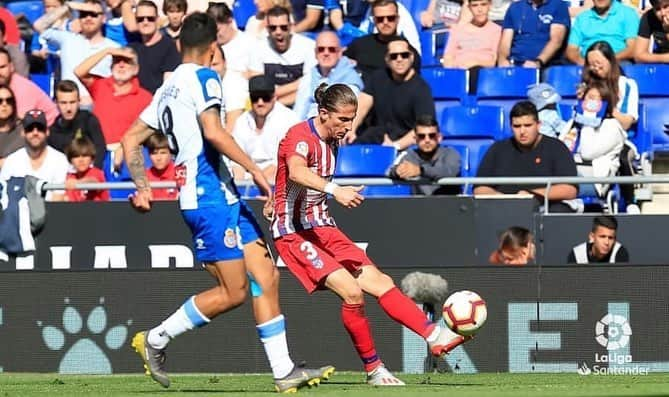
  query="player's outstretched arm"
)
[
  {"x": 225, "y": 144},
  {"x": 132, "y": 151},
  {"x": 299, "y": 172}
]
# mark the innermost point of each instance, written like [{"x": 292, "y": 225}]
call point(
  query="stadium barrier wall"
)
[{"x": 113, "y": 272}]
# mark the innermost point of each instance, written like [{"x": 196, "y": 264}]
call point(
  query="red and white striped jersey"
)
[{"x": 297, "y": 207}]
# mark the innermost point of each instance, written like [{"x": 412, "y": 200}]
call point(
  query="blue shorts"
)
[{"x": 219, "y": 233}]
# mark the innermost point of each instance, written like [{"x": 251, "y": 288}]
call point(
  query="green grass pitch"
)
[{"x": 341, "y": 384}]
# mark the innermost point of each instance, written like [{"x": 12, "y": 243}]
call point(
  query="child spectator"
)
[
  {"x": 163, "y": 167},
  {"x": 545, "y": 98},
  {"x": 81, "y": 154},
  {"x": 595, "y": 136},
  {"x": 473, "y": 43}
]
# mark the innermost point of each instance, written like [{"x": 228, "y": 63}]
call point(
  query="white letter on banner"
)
[
  {"x": 60, "y": 257},
  {"x": 523, "y": 341},
  {"x": 110, "y": 257},
  {"x": 161, "y": 254}
]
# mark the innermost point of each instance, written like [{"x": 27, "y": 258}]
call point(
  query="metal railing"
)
[{"x": 548, "y": 182}]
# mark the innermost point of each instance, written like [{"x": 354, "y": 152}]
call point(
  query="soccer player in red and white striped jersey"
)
[{"x": 318, "y": 253}]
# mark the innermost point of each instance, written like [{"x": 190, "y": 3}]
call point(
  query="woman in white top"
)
[{"x": 601, "y": 64}]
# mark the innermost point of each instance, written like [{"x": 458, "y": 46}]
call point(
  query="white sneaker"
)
[
  {"x": 382, "y": 377},
  {"x": 633, "y": 209},
  {"x": 446, "y": 341}
]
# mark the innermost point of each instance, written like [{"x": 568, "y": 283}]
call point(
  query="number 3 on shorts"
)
[{"x": 309, "y": 250}]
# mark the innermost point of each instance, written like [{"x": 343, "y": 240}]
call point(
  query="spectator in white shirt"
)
[
  {"x": 284, "y": 56},
  {"x": 237, "y": 45},
  {"x": 37, "y": 158},
  {"x": 235, "y": 90},
  {"x": 259, "y": 130}
]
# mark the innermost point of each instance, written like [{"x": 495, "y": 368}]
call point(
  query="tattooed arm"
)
[{"x": 132, "y": 150}]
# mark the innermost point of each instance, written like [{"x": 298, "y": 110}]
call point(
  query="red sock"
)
[
  {"x": 403, "y": 310},
  {"x": 357, "y": 325}
]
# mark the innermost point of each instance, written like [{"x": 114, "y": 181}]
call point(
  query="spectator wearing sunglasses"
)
[
  {"x": 394, "y": 97},
  {"x": 284, "y": 56},
  {"x": 37, "y": 158},
  {"x": 332, "y": 67},
  {"x": 75, "y": 47},
  {"x": 157, "y": 54},
  {"x": 369, "y": 51},
  {"x": 428, "y": 161},
  {"x": 258, "y": 131},
  {"x": 11, "y": 131}
]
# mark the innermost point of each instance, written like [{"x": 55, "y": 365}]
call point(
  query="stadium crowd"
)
[{"x": 104, "y": 59}]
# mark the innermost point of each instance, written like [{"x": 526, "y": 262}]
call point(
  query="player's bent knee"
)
[{"x": 353, "y": 296}]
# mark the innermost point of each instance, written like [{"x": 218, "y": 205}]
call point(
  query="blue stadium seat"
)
[
  {"x": 32, "y": 9},
  {"x": 433, "y": 43},
  {"x": 463, "y": 151},
  {"x": 364, "y": 160},
  {"x": 651, "y": 79},
  {"x": 44, "y": 81},
  {"x": 473, "y": 122},
  {"x": 242, "y": 10},
  {"x": 565, "y": 79},
  {"x": 505, "y": 83},
  {"x": 415, "y": 7},
  {"x": 446, "y": 84},
  {"x": 476, "y": 148},
  {"x": 655, "y": 123},
  {"x": 387, "y": 191}
]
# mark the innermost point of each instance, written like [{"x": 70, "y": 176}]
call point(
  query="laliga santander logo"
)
[{"x": 613, "y": 332}]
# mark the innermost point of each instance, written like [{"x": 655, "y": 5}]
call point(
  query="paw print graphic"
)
[{"x": 81, "y": 353}]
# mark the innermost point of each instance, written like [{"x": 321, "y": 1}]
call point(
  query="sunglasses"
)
[
  {"x": 265, "y": 97},
  {"x": 8, "y": 100},
  {"x": 84, "y": 14},
  {"x": 431, "y": 135},
  {"x": 331, "y": 50},
  {"x": 35, "y": 127},
  {"x": 395, "y": 55},
  {"x": 148, "y": 18},
  {"x": 272, "y": 28},
  {"x": 387, "y": 18}
]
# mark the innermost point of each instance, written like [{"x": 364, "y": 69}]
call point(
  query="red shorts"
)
[{"x": 311, "y": 255}]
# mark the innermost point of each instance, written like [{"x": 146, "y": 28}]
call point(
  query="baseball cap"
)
[
  {"x": 542, "y": 95},
  {"x": 34, "y": 117},
  {"x": 261, "y": 84}
]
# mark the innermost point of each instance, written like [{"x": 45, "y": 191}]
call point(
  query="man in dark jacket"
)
[{"x": 75, "y": 123}]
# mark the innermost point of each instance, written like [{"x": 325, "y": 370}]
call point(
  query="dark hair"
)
[
  {"x": 426, "y": 120},
  {"x": 67, "y": 86},
  {"x": 147, "y": 3},
  {"x": 3, "y": 28},
  {"x": 81, "y": 146},
  {"x": 383, "y": 3},
  {"x": 615, "y": 72},
  {"x": 515, "y": 237},
  {"x": 606, "y": 94},
  {"x": 181, "y": 5},
  {"x": 97, "y": 2},
  {"x": 334, "y": 97},
  {"x": 220, "y": 12},
  {"x": 14, "y": 115},
  {"x": 278, "y": 11},
  {"x": 523, "y": 108},
  {"x": 655, "y": 3},
  {"x": 198, "y": 32},
  {"x": 157, "y": 141},
  {"x": 606, "y": 221},
  {"x": 398, "y": 38}
]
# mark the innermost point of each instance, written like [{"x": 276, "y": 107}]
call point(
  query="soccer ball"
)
[{"x": 465, "y": 312}]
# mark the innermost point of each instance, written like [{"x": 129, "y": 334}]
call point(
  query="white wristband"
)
[{"x": 330, "y": 187}]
